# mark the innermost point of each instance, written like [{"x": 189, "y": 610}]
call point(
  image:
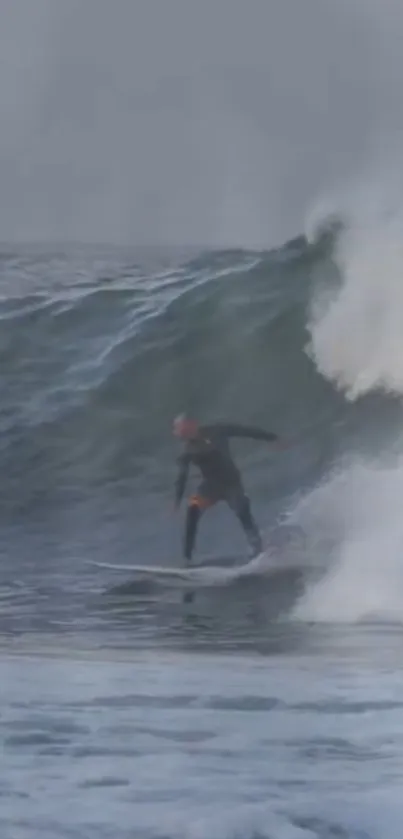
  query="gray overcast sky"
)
[{"x": 189, "y": 121}]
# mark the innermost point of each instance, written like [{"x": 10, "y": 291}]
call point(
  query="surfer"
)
[{"x": 207, "y": 447}]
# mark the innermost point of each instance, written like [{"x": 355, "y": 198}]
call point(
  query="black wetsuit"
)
[{"x": 210, "y": 452}]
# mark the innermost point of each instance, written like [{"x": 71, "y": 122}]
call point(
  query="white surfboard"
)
[{"x": 206, "y": 575}]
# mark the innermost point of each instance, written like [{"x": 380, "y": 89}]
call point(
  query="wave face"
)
[{"x": 99, "y": 351}]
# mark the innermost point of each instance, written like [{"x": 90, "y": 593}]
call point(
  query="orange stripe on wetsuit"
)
[{"x": 202, "y": 502}]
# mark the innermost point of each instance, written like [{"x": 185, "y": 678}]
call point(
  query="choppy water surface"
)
[{"x": 271, "y": 707}]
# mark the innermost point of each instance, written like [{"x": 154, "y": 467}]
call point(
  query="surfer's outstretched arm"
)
[
  {"x": 253, "y": 433},
  {"x": 181, "y": 480}
]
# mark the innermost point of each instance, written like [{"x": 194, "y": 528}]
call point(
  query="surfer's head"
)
[{"x": 185, "y": 427}]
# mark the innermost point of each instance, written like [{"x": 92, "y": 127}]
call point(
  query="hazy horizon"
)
[{"x": 185, "y": 123}]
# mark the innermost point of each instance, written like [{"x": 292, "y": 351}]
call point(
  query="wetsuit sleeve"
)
[
  {"x": 182, "y": 476},
  {"x": 232, "y": 430}
]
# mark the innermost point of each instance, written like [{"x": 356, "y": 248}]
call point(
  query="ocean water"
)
[{"x": 269, "y": 707}]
